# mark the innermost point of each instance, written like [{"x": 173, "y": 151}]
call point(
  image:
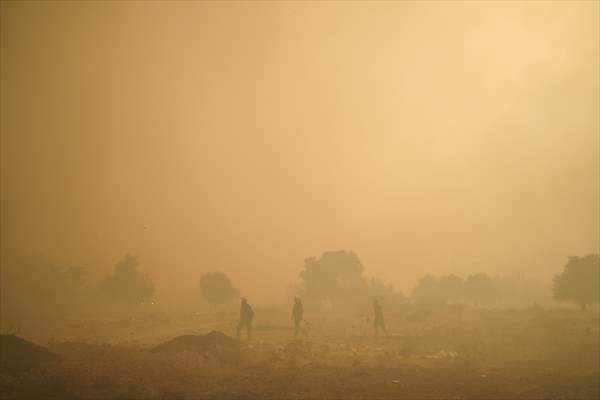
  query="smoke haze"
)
[{"x": 243, "y": 137}]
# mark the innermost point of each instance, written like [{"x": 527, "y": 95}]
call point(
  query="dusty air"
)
[{"x": 300, "y": 200}]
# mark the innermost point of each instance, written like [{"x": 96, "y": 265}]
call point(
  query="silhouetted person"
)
[
  {"x": 297, "y": 314},
  {"x": 378, "y": 321},
  {"x": 246, "y": 315}
]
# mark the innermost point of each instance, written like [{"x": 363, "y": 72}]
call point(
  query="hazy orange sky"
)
[{"x": 427, "y": 137}]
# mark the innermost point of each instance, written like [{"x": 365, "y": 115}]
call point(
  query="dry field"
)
[{"x": 451, "y": 354}]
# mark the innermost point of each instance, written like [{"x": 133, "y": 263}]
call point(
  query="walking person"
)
[
  {"x": 297, "y": 315},
  {"x": 378, "y": 321},
  {"x": 246, "y": 316}
]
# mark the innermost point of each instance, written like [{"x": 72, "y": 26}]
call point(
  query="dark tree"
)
[
  {"x": 433, "y": 291},
  {"x": 216, "y": 288},
  {"x": 336, "y": 277},
  {"x": 480, "y": 289},
  {"x": 427, "y": 292},
  {"x": 451, "y": 288},
  {"x": 579, "y": 283},
  {"x": 126, "y": 284},
  {"x": 386, "y": 294},
  {"x": 37, "y": 287}
]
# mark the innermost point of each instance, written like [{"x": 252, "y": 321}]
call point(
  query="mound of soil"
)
[
  {"x": 18, "y": 355},
  {"x": 214, "y": 340}
]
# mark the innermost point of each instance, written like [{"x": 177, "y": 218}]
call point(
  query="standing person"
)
[
  {"x": 378, "y": 321},
  {"x": 246, "y": 315},
  {"x": 297, "y": 314}
]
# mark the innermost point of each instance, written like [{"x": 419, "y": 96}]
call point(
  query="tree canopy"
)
[
  {"x": 36, "y": 286},
  {"x": 478, "y": 289},
  {"x": 579, "y": 282},
  {"x": 337, "y": 277},
  {"x": 216, "y": 288},
  {"x": 333, "y": 276},
  {"x": 126, "y": 284}
]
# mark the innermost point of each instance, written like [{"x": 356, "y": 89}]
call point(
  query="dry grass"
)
[{"x": 451, "y": 354}]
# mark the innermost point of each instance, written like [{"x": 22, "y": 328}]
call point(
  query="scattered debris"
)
[
  {"x": 297, "y": 350},
  {"x": 279, "y": 353},
  {"x": 443, "y": 354}
]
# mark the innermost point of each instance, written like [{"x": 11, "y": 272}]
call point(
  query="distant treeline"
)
[
  {"x": 37, "y": 288},
  {"x": 334, "y": 281},
  {"x": 479, "y": 289}
]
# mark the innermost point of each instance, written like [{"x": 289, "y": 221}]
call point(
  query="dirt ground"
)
[{"x": 455, "y": 353}]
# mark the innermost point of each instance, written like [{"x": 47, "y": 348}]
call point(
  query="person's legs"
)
[
  {"x": 379, "y": 323},
  {"x": 239, "y": 329},
  {"x": 249, "y": 329}
]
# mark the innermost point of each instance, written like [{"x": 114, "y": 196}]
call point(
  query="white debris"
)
[{"x": 443, "y": 354}]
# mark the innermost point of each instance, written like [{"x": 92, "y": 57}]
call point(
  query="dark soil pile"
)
[
  {"x": 214, "y": 340},
  {"x": 18, "y": 355}
]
